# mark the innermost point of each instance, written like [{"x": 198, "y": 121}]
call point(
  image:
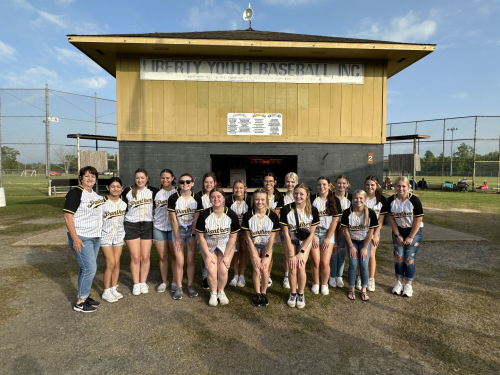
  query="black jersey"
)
[
  {"x": 404, "y": 211},
  {"x": 217, "y": 230},
  {"x": 356, "y": 224}
]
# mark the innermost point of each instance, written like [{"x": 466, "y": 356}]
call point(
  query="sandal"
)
[
  {"x": 351, "y": 295},
  {"x": 364, "y": 297}
]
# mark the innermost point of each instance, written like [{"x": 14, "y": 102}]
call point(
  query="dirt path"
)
[{"x": 449, "y": 326}]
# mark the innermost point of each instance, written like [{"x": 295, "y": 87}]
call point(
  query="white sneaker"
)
[
  {"x": 324, "y": 290},
  {"x": 315, "y": 289},
  {"x": 340, "y": 283},
  {"x": 213, "y": 299},
  {"x": 241, "y": 281},
  {"x": 116, "y": 293},
  {"x": 407, "y": 291},
  {"x": 286, "y": 283},
  {"x": 109, "y": 296},
  {"x": 162, "y": 287},
  {"x": 292, "y": 300},
  {"x": 301, "y": 301},
  {"x": 136, "y": 290},
  {"x": 144, "y": 288},
  {"x": 270, "y": 282},
  {"x": 398, "y": 288},
  {"x": 358, "y": 283},
  {"x": 223, "y": 300},
  {"x": 371, "y": 285},
  {"x": 333, "y": 282},
  {"x": 234, "y": 281}
]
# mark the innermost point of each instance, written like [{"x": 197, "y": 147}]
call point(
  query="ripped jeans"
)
[{"x": 406, "y": 269}]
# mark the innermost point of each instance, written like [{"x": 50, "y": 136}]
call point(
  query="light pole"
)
[{"x": 451, "y": 150}]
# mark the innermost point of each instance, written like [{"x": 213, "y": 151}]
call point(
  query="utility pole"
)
[{"x": 452, "y": 130}]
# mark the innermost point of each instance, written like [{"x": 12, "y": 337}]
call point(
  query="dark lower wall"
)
[{"x": 194, "y": 158}]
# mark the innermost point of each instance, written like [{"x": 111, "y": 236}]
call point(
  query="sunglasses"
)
[{"x": 182, "y": 182}]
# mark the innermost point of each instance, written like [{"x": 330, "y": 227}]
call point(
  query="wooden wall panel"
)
[{"x": 197, "y": 111}]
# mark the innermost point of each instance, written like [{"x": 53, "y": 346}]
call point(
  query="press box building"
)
[{"x": 242, "y": 103}]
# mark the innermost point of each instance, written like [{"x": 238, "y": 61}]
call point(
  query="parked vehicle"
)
[
  {"x": 448, "y": 185},
  {"x": 55, "y": 173}
]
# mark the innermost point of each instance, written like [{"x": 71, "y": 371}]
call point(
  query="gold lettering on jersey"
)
[
  {"x": 161, "y": 203},
  {"x": 323, "y": 213},
  {"x": 302, "y": 225},
  {"x": 358, "y": 227},
  {"x": 262, "y": 232},
  {"x": 217, "y": 231},
  {"x": 114, "y": 213},
  {"x": 186, "y": 211},
  {"x": 403, "y": 214},
  {"x": 96, "y": 203},
  {"x": 140, "y": 202}
]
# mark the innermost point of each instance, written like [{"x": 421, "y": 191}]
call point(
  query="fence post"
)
[
  {"x": 442, "y": 159},
  {"x": 47, "y": 137},
  {"x": 474, "y": 162},
  {"x": 1, "y": 177}
]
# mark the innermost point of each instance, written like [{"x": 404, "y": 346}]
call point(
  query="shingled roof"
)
[{"x": 250, "y": 35}]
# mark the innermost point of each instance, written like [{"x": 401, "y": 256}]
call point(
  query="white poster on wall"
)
[
  {"x": 251, "y": 71},
  {"x": 254, "y": 123}
]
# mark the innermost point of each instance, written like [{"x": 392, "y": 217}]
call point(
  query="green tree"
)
[{"x": 9, "y": 158}]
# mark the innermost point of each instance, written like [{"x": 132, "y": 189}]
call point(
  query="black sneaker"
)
[
  {"x": 263, "y": 300},
  {"x": 257, "y": 300},
  {"x": 84, "y": 307},
  {"x": 92, "y": 302},
  {"x": 204, "y": 283}
]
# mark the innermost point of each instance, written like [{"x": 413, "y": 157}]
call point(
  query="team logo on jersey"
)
[
  {"x": 403, "y": 214},
  {"x": 258, "y": 233},
  {"x": 184, "y": 212},
  {"x": 114, "y": 213},
  {"x": 161, "y": 203},
  {"x": 217, "y": 231},
  {"x": 96, "y": 203},
  {"x": 323, "y": 213},
  {"x": 140, "y": 202},
  {"x": 357, "y": 227},
  {"x": 302, "y": 225}
]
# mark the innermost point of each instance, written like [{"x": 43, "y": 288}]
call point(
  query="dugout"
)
[{"x": 223, "y": 100}]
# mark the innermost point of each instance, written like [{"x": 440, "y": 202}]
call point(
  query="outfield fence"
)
[
  {"x": 35, "y": 123},
  {"x": 458, "y": 147}
]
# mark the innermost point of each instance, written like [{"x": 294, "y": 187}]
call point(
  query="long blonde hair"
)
[
  {"x": 307, "y": 209},
  {"x": 366, "y": 213},
  {"x": 293, "y": 176}
]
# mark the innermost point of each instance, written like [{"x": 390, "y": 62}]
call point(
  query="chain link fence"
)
[
  {"x": 34, "y": 124},
  {"x": 458, "y": 147}
]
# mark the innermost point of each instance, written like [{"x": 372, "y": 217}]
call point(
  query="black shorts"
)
[{"x": 142, "y": 230}]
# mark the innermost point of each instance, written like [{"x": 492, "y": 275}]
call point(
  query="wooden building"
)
[{"x": 245, "y": 102}]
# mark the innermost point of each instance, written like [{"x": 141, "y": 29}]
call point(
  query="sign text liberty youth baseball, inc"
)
[{"x": 251, "y": 71}]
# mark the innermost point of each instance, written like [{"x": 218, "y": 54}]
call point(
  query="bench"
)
[{"x": 63, "y": 185}]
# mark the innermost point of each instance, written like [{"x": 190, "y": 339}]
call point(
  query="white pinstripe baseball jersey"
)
[
  {"x": 287, "y": 218},
  {"x": 161, "y": 219},
  {"x": 86, "y": 208},
  {"x": 204, "y": 198},
  {"x": 325, "y": 220},
  {"x": 217, "y": 230},
  {"x": 260, "y": 229},
  {"x": 284, "y": 200},
  {"x": 377, "y": 207},
  {"x": 112, "y": 225},
  {"x": 346, "y": 200},
  {"x": 184, "y": 208},
  {"x": 357, "y": 229},
  {"x": 239, "y": 208},
  {"x": 140, "y": 208},
  {"x": 404, "y": 211}
]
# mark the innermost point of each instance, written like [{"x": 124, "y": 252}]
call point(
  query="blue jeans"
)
[
  {"x": 337, "y": 261},
  {"x": 86, "y": 259},
  {"x": 363, "y": 264},
  {"x": 403, "y": 269}
]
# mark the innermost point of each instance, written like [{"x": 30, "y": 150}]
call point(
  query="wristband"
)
[
  {"x": 291, "y": 256},
  {"x": 193, "y": 234}
]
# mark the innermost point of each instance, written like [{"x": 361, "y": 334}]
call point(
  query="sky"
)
[{"x": 461, "y": 78}]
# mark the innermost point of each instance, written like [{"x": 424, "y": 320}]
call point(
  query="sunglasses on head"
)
[{"x": 182, "y": 182}]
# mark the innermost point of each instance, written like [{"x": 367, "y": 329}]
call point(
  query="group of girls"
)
[{"x": 229, "y": 230}]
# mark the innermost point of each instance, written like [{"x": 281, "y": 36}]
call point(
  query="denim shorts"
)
[
  {"x": 282, "y": 237},
  {"x": 261, "y": 247},
  {"x": 185, "y": 233},
  {"x": 161, "y": 235},
  {"x": 141, "y": 229},
  {"x": 320, "y": 234}
]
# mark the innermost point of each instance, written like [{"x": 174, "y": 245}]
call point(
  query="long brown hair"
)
[
  {"x": 344, "y": 177},
  {"x": 378, "y": 196},
  {"x": 205, "y": 176},
  {"x": 307, "y": 209},
  {"x": 244, "y": 191},
  {"x": 276, "y": 193},
  {"x": 331, "y": 205},
  {"x": 134, "y": 186}
]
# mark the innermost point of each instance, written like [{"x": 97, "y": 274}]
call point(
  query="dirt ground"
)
[{"x": 449, "y": 326}]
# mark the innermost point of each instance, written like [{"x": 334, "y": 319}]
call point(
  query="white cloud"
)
[
  {"x": 459, "y": 95},
  {"x": 90, "y": 82},
  {"x": 7, "y": 52},
  {"x": 288, "y": 2},
  {"x": 212, "y": 14},
  {"x": 35, "y": 77},
  {"x": 44, "y": 17},
  {"x": 68, "y": 57},
  {"x": 408, "y": 28}
]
